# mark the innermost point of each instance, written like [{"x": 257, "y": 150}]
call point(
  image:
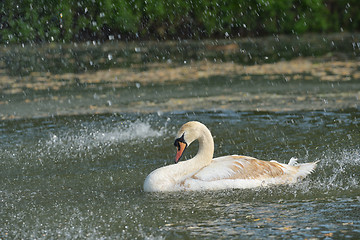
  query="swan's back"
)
[{"x": 245, "y": 172}]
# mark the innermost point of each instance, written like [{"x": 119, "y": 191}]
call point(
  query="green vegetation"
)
[{"x": 67, "y": 20}]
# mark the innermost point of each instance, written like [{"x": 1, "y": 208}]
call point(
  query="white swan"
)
[{"x": 205, "y": 173}]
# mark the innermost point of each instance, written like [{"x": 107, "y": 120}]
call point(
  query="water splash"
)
[
  {"x": 337, "y": 175},
  {"x": 339, "y": 170},
  {"x": 129, "y": 132},
  {"x": 83, "y": 178},
  {"x": 134, "y": 131}
]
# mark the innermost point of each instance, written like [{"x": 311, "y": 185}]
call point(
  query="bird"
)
[{"x": 203, "y": 172}]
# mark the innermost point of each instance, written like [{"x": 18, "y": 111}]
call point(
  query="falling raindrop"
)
[{"x": 110, "y": 57}]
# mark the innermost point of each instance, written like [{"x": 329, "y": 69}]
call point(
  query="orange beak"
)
[{"x": 180, "y": 150}]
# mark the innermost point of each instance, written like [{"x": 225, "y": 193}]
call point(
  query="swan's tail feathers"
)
[
  {"x": 305, "y": 169},
  {"x": 293, "y": 161}
]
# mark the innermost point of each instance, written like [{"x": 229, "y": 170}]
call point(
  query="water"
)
[
  {"x": 82, "y": 176},
  {"x": 74, "y": 150}
]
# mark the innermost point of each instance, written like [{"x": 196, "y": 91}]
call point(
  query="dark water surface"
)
[
  {"x": 82, "y": 176},
  {"x": 76, "y": 145}
]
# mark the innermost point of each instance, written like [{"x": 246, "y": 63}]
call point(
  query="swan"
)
[{"x": 202, "y": 172}]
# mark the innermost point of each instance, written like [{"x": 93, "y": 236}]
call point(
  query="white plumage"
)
[{"x": 205, "y": 173}]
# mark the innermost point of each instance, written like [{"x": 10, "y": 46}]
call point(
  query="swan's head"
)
[{"x": 188, "y": 133}]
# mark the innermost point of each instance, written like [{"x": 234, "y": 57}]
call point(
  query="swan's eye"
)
[
  {"x": 177, "y": 144},
  {"x": 178, "y": 141}
]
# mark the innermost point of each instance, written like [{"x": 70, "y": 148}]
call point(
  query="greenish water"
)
[
  {"x": 92, "y": 55},
  {"x": 82, "y": 176},
  {"x": 216, "y": 93},
  {"x": 74, "y": 154}
]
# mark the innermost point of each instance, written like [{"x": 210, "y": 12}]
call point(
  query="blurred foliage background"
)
[{"x": 67, "y": 20}]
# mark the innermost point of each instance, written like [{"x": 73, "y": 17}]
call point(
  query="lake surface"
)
[{"x": 73, "y": 157}]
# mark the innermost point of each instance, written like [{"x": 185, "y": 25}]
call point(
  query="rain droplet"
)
[{"x": 110, "y": 57}]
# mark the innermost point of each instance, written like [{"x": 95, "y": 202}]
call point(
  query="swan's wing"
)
[{"x": 243, "y": 167}]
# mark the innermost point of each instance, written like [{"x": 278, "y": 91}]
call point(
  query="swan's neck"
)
[
  {"x": 166, "y": 178},
  {"x": 206, "y": 147},
  {"x": 203, "y": 157}
]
